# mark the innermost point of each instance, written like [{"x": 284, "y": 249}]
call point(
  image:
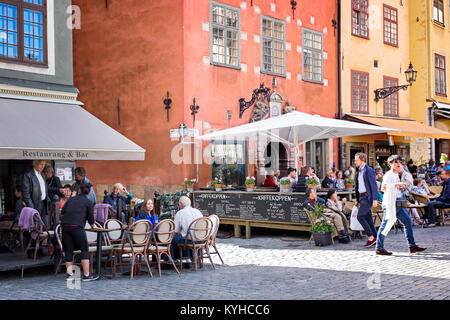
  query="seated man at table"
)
[
  {"x": 441, "y": 201},
  {"x": 114, "y": 197},
  {"x": 292, "y": 174},
  {"x": 183, "y": 219},
  {"x": 329, "y": 181},
  {"x": 310, "y": 204}
]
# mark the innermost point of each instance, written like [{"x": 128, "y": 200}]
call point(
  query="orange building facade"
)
[{"x": 128, "y": 54}]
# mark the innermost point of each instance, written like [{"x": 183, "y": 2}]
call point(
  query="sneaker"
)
[
  {"x": 415, "y": 249},
  {"x": 430, "y": 225},
  {"x": 370, "y": 243},
  {"x": 382, "y": 252},
  {"x": 188, "y": 260},
  {"x": 89, "y": 277},
  {"x": 70, "y": 277}
]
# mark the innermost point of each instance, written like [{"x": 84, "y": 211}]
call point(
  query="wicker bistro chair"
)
[
  {"x": 134, "y": 247},
  {"x": 436, "y": 189},
  {"x": 92, "y": 241},
  {"x": 114, "y": 236},
  {"x": 212, "y": 241},
  {"x": 40, "y": 234},
  {"x": 197, "y": 239},
  {"x": 160, "y": 243},
  {"x": 441, "y": 212}
]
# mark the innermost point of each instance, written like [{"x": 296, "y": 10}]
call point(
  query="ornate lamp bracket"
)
[
  {"x": 244, "y": 105},
  {"x": 386, "y": 92}
]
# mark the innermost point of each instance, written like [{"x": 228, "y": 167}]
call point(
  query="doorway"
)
[
  {"x": 275, "y": 158},
  {"x": 316, "y": 157}
]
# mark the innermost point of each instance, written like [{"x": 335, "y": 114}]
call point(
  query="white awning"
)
[
  {"x": 296, "y": 126},
  {"x": 53, "y": 131}
]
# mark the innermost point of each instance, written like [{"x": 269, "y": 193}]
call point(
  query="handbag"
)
[{"x": 354, "y": 223}]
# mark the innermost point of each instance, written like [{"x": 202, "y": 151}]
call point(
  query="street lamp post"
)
[
  {"x": 183, "y": 132},
  {"x": 411, "y": 76}
]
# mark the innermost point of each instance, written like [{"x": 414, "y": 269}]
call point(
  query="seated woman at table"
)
[
  {"x": 340, "y": 180},
  {"x": 270, "y": 181},
  {"x": 338, "y": 206},
  {"x": 76, "y": 212},
  {"x": 148, "y": 213},
  {"x": 66, "y": 195},
  {"x": 337, "y": 218}
]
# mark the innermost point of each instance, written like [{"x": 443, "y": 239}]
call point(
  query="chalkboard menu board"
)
[{"x": 277, "y": 207}]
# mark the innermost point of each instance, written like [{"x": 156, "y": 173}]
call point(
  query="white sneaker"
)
[
  {"x": 70, "y": 277},
  {"x": 188, "y": 260}
]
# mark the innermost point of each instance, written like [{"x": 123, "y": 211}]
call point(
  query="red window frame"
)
[
  {"x": 443, "y": 70},
  {"x": 385, "y": 21},
  {"x": 359, "y": 88},
  {"x": 21, "y": 5},
  {"x": 356, "y": 8},
  {"x": 388, "y": 101}
]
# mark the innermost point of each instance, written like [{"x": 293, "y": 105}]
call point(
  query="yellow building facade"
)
[
  {"x": 375, "y": 53},
  {"x": 430, "y": 53}
]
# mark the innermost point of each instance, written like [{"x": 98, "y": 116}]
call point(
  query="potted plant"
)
[
  {"x": 349, "y": 183},
  {"x": 321, "y": 228},
  {"x": 250, "y": 183},
  {"x": 217, "y": 184},
  {"x": 189, "y": 184},
  {"x": 285, "y": 185},
  {"x": 312, "y": 183}
]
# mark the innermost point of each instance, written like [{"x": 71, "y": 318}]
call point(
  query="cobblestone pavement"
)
[{"x": 269, "y": 267}]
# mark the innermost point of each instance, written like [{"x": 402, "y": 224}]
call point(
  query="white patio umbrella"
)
[{"x": 293, "y": 127}]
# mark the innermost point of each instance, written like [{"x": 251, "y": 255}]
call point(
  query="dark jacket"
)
[
  {"x": 31, "y": 190},
  {"x": 300, "y": 186},
  {"x": 113, "y": 201},
  {"x": 369, "y": 181},
  {"x": 445, "y": 193},
  {"x": 54, "y": 184},
  {"x": 310, "y": 205},
  {"x": 77, "y": 210},
  {"x": 327, "y": 183}
]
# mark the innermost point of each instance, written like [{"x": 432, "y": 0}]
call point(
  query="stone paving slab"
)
[{"x": 266, "y": 267}]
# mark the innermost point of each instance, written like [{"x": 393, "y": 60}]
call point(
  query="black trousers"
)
[{"x": 74, "y": 238}]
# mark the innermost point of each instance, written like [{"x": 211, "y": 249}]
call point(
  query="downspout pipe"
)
[{"x": 340, "y": 146}]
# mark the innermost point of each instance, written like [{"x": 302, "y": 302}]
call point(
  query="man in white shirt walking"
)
[
  {"x": 183, "y": 219},
  {"x": 393, "y": 191}
]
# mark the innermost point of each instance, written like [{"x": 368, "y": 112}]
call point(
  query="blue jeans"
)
[
  {"x": 321, "y": 201},
  {"x": 404, "y": 218},
  {"x": 431, "y": 209},
  {"x": 365, "y": 216},
  {"x": 174, "y": 252}
]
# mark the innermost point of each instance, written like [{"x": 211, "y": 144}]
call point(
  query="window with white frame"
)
[
  {"x": 273, "y": 46},
  {"x": 438, "y": 11},
  {"x": 440, "y": 84},
  {"x": 312, "y": 56},
  {"x": 225, "y": 35}
]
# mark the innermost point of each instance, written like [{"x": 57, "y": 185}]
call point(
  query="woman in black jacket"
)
[{"x": 75, "y": 212}]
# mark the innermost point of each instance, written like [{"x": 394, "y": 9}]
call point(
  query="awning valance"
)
[
  {"x": 54, "y": 131},
  {"x": 405, "y": 127}
]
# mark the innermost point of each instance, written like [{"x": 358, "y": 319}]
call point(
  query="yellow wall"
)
[
  {"x": 427, "y": 38},
  {"x": 359, "y": 54}
]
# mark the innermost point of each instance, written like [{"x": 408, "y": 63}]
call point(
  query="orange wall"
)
[
  {"x": 137, "y": 50},
  {"x": 132, "y": 51}
]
